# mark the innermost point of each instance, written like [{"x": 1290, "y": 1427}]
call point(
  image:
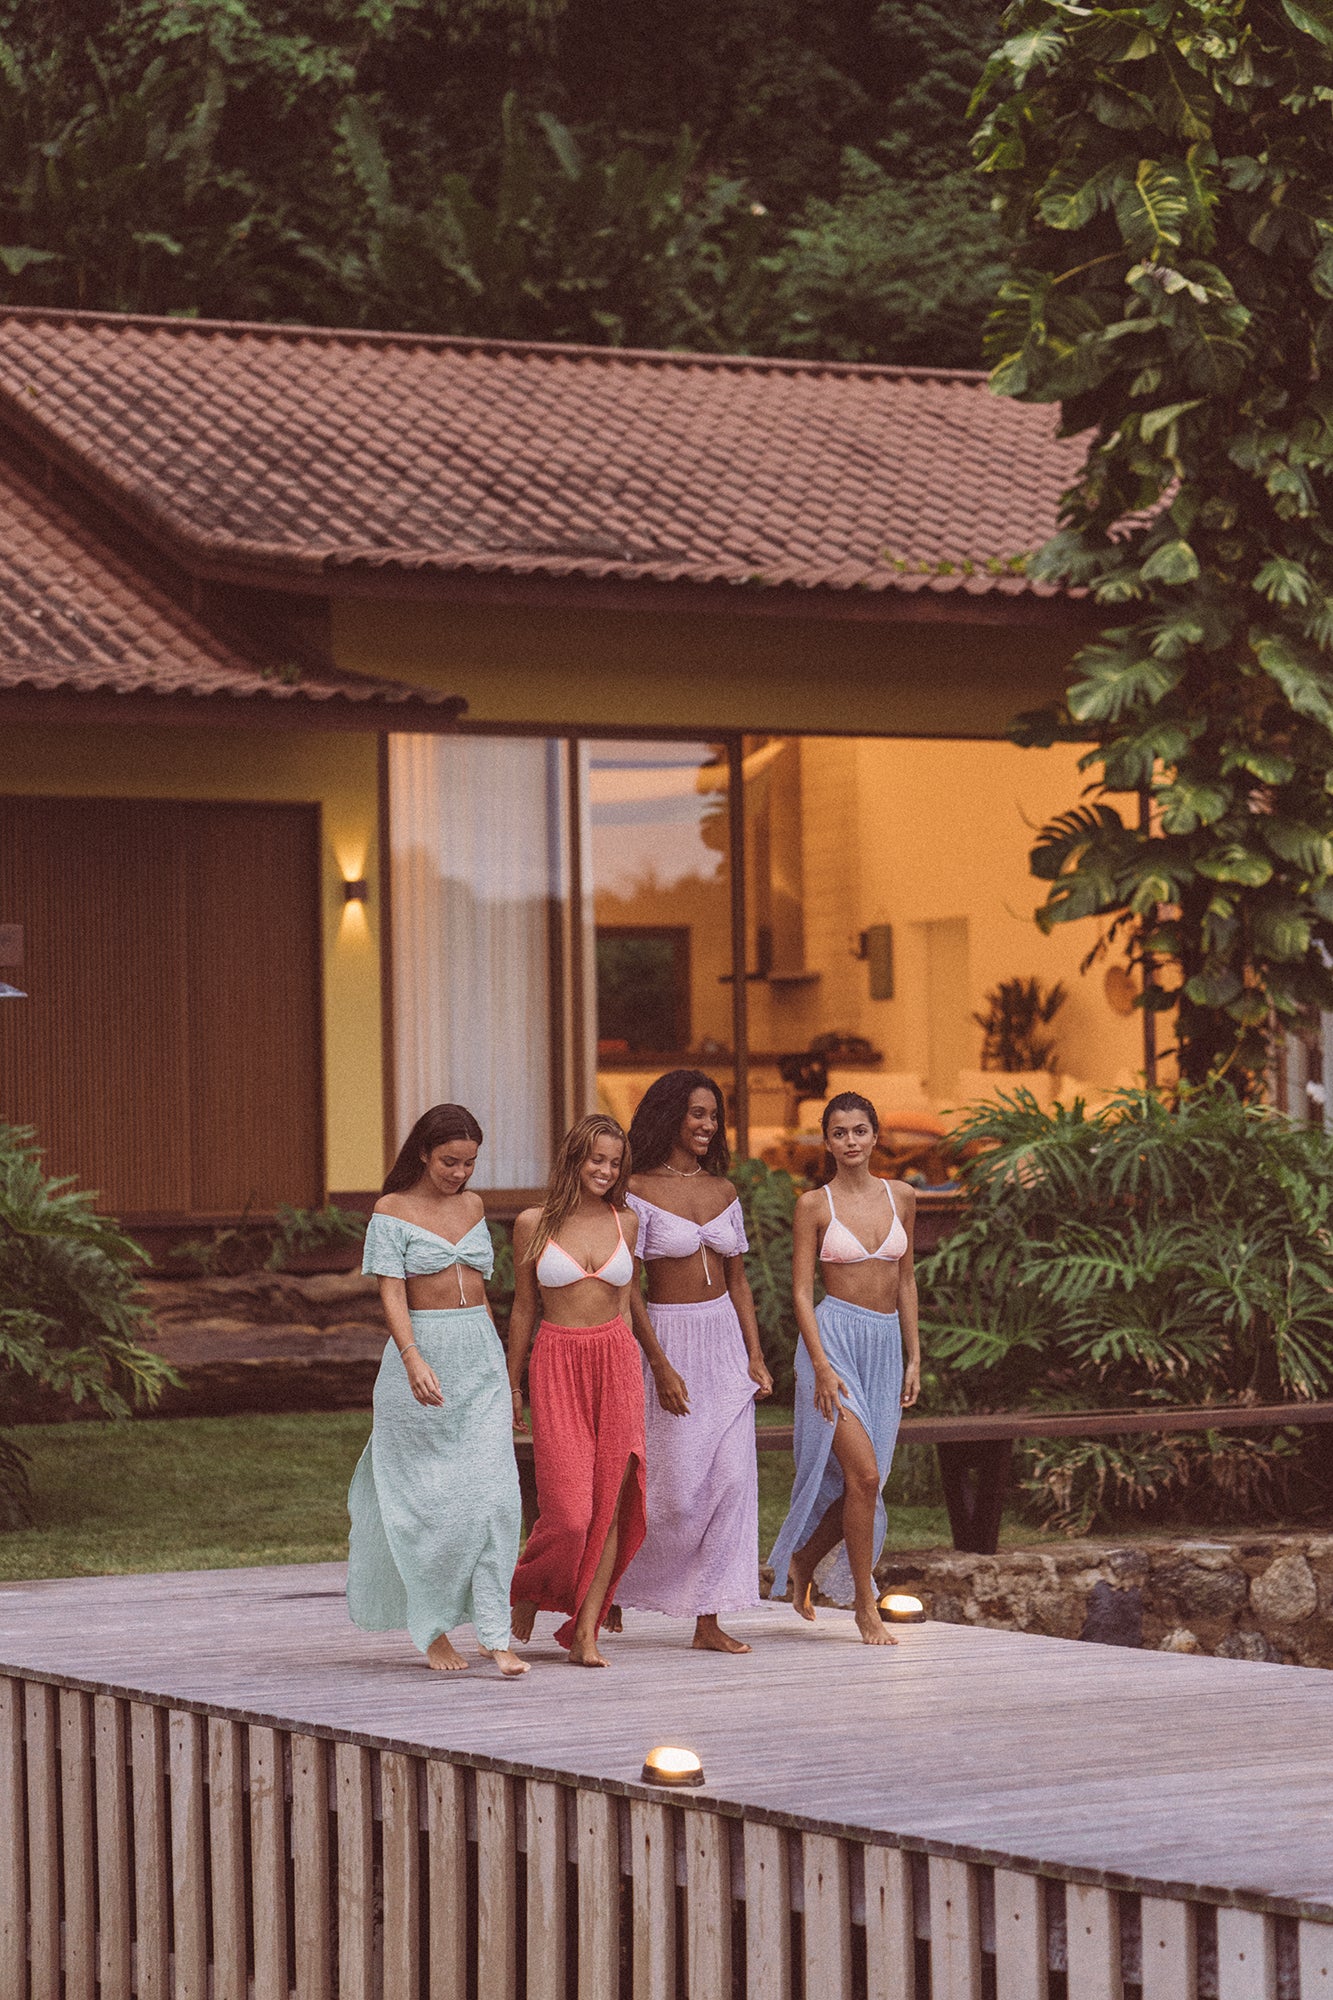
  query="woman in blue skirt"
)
[
  {"x": 434, "y": 1500},
  {"x": 858, "y": 1366}
]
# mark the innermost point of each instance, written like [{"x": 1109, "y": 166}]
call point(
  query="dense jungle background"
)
[{"x": 766, "y": 178}]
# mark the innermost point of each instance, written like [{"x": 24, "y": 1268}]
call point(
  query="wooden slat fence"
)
[{"x": 150, "y": 1852}]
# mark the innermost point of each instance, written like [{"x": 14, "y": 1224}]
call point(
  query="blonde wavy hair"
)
[{"x": 563, "y": 1190}]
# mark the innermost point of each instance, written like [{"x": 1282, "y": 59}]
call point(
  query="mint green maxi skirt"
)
[{"x": 434, "y": 1500}]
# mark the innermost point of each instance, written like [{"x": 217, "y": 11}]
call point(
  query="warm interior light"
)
[
  {"x": 667, "y": 1765},
  {"x": 901, "y": 1609}
]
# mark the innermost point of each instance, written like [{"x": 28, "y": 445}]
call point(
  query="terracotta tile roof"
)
[
  {"x": 76, "y": 618},
  {"x": 298, "y": 450}
]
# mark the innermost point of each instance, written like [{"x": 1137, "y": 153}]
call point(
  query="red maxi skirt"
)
[{"x": 586, "y": 1390}]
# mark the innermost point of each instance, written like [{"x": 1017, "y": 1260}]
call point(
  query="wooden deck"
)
[{"x": 1166, "y": 1774}]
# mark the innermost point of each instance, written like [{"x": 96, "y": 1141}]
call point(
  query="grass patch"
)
[{"x": 232, "y": 1492}]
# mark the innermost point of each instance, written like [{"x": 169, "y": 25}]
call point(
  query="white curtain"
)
[{"x": 476, "y": 837}]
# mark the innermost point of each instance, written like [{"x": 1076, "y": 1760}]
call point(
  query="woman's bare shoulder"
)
[
  {"x": 811, "y": 1202},
  {"x": 391, "y": 1204},
  {"x": 629, "y": 1226}
]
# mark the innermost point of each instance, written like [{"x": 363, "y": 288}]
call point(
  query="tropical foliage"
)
[
  {"x": 765, "y": 178},
  {"x": 1165, "y": 175},
  {"x": 70, "y": 1320},
  {"x": 1140, "y": 1255},
  {"x": 270, "y": 1245},
  {"x": 1017, "y": 1013},
  {"x": 768, "y": 1204}
]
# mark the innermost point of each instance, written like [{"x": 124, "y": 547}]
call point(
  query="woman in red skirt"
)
[{"x": 573, "y": 1263}]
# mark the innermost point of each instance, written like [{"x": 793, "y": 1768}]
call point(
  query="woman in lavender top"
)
[{"x": 700, "y": 1555}]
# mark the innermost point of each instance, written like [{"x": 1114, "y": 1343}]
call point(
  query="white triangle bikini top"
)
[
  {"x": 841, "y": 1247},
  {"x": 555, "y": 1266}
]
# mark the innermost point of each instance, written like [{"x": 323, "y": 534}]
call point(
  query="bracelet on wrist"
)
[{"x": 411, "y": 1348}]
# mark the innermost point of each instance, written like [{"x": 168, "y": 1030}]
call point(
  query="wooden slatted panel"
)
[
  {"x": 1020, "y": 1936},
  {"x": 446, "y": 1840},
  {"x": 114, "y": 1908},
  {"x": 707, "y": 1905},
  {"x": 598, "y": 1843},
  {"x": 1169, "y": 1949},
  {"x": 268, "y": 1860},
  {"x": 43, "y": 1842},
  {"x": 77, "y": 1844},
  {"x": 890, "y": 1925},
  {"x": 252, "y": 947},
  {"x": 312, "y": 1901},
  {"x": 402, "y": 1877},
  {"x": 547, "y": 1917},
  {"x": 1315, "y": 1957},
  {"x": 828, "y": 1917},
  {"x": 13, "y": 1843},
  {"x": 151, "y": 1880},
  {"x": 199, "y": 924},
  {"x": 1092, "y": 1922},
  {"x": 653, "y": 1892},
  {"x": 497, "y": 1899},
  {"x": 227, "y": 1844},
  {"x": 1246, "y": 1956},
  {"x": 767, "y": 1913},
  {"x": 955, "y": 1931},
  {"x": 189, "y": 1856},
  {"x": 356, "y": 1873}
]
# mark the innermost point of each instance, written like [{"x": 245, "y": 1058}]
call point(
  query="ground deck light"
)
[
  {"x": 897, "y": 1608},
  {"x": 668, "y": 1765}
]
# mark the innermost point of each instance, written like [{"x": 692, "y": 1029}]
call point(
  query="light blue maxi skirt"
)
[
  {"x": 866, "y": 1349},
  {"x": 434, "y": 1500}
]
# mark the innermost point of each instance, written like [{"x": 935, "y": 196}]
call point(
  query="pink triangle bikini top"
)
[
  {"x": 841, "y": 1247},
  {"x": 555, "y": 1266}
]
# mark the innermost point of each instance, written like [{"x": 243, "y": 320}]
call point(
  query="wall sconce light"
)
[
  {"x": 667, "y": 1765},
  {"x": 875, "y": 948},
  {"x": 896, "y": 1607},
  {"x": 357, "y": 891}
]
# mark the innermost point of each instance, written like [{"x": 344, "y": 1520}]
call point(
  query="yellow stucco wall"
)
[
  {"x": 334, "y": 769},
  {"x": 632, "y": 671}
]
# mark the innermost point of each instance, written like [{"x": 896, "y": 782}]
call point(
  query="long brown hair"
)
[
  {"x": 435, "y": 1127},
  {"x": 563, "y": 1189}
]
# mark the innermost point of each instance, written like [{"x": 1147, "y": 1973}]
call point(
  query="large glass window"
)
[{"x": 661, "y": 905}]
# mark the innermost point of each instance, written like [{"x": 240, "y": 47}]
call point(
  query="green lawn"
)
[{"x": 222, "y": 1492}]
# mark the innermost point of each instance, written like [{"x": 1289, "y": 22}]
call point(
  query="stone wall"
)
[{"x": 1264, "y": 1597}]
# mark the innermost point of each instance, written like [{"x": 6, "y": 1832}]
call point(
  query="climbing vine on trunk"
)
[{"x": 1165, "y": 173}]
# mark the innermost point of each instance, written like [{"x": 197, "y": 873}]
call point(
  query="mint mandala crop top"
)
[
  {"x": 555, "y": 1266},
  {"x": 396, "y": 1248}
]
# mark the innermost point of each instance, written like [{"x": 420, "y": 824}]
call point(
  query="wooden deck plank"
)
[
  {"x": 152, "y": 1921},
  {"x": 1166, "y": 1770},
  {"x": 546, "y": 1914},
  {"x": 446, "y": 1883},
  {"x": 598, "y": 1855},
  {"x": 227, "y": 1844},
  {"x": 77, "y": 1843},
  {"x": 1020, "y": 1936},
  {"x": 43, "y": 1843},
  {"x": 312, "y": 1886},
  {"x": 114, "y": 1905},
  {"x": 767, "y": 1913},
  {"x": 189, "y": 1856},
  {"x": 13, "y": 1844}
]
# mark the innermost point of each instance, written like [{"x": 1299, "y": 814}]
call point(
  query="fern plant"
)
[
  {"x": 1145, "y": 1254},
  {"x": 71, "y": 1319}
]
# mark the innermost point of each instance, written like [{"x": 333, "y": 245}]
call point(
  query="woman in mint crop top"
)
[{"x": 434, "y": 1501}]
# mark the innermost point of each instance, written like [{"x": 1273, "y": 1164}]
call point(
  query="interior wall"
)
[{"x": 336, "y": 770}]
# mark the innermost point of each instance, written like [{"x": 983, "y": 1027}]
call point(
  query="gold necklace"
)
[{"x": 681, "y": 1173}]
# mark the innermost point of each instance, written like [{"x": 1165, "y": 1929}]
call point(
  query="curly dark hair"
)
[
  {"x": 661, "y": 1114},
  {"x": 435, "y": 1127}
]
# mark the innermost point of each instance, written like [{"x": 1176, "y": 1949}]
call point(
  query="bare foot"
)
[
  {"x": 523, "y": 1619},
  {"x": 710, "y": 1638},
  {"x": 441, "y": 1655},
  {"x": 872, "y": 1628},
  {"x": 583, "y": 1653},
  {"x": 509, "y": 1663},
  {"x": 802, "y": 1588},
  {"x": 614, "y": 1620}
]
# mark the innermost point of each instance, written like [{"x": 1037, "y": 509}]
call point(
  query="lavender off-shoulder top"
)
[{"x": 662, "y": 1234}]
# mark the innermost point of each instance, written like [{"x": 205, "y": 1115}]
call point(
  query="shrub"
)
[
  {"x": 1149, "y": 1253},
  {"x": 70, "y": 1318},
  {"x": 768, "y": 1203},
  {"x": 235, "y": 1248}
]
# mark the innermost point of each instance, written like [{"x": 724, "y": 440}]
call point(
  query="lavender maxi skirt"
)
[
  {"x": 866, "y": 1349},
  {"x": 701, "y": 1549}
]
